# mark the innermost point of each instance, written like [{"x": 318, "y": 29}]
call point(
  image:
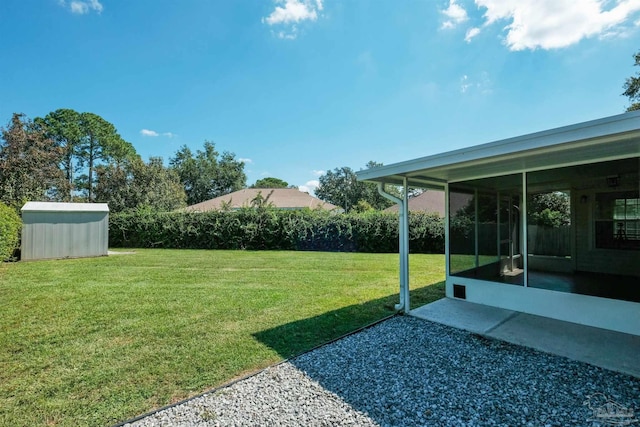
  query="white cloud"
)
[
  {"x": 481, "y": 85},
  {"x": 82, "y": 7},
  {"x": 153, "y": 133},
  {"x": 245, "y": 160},
  {"x": 484, "y": 84},
  {"x": 291, "y": 34},
  {"x": 455, "y": 15},
  {"x": 471, "y": 33},
  {"x": 294, "y": 11},
  {"x": 290, "y": 12},
  {"x": 464, "y": 84},
  {"x": 553, "y": 24},
  {"x": 309, "y": 186},
  {"x": 147, "y": 132}
]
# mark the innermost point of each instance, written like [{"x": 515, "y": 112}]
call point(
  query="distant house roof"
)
[
  {"x": 429, "y": 201},
  {"x": 64, "y": 207},
  {"x": 280, "y": 198},
  {"x": 433, "y": 201}
]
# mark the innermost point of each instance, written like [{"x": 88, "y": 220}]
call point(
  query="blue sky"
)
[{"x": 297, "y": 87}]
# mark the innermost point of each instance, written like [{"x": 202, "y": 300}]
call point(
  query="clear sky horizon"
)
[{"x": 299, "y": 87}]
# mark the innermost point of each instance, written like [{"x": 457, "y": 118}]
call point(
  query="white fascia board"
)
[{"x": 512, "y": 147}]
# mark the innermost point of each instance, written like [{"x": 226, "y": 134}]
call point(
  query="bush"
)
[
  {"x": 272, "y": 229},
  {"x": 10, "y": 228}
]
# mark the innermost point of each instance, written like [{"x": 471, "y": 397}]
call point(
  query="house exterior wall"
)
[{"x": 47, "y": 235}]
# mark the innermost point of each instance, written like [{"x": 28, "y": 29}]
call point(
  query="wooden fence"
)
[{"x": 549, "y": 241}]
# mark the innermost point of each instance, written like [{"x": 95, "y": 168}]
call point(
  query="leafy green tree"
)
[
  {"x": 63, "y": 127},
  {"x": 10, "y": 227},
  {"x": 261, "y": 202},
  {"x": 370, "y": 191},
  {"x": 156, "y": 186},
  {"x": 113, "y": 187},
  {"x": 230, "y": 175},
  {"x": 632, "y": 87},
  {"x": 271, "y": 182},
  {"x": 362, "y": 206},
  {"x": 28, "y": 164},
  {"x": 135, "y": 184},
  {"x": 550, "y": 209},
  {"x": 207, "y": 174},
  {"x": 87, "y": 141},
  {"x": 341, "y": 188},
  {"x": 100, "y": 143}
]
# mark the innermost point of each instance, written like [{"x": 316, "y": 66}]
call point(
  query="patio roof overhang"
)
[{"x": 609, "y": 138}]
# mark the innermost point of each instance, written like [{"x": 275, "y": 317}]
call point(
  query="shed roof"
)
[
  {"x": 281, "y": 198},
  {"x": 64, "y": 207},
  {"x": 609, "y": 138}
]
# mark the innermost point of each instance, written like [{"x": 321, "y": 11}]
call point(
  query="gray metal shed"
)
[{"x": 64, "y": 230}]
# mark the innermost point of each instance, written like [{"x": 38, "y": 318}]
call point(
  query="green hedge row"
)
[
  {"x": 10, "y": 228},
  {"x": 272, "y": 229}
]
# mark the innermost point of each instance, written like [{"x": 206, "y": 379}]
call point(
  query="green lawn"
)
[{"x": 97, "y": 341}]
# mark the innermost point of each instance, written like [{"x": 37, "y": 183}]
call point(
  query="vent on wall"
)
[{"x": 460, "y": 291}]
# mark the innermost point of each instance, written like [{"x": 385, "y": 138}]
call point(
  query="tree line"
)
[{"x": 69, "y": 156}]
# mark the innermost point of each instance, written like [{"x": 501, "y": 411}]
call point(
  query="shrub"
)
[
  {"x": 265, "y": 228},
  {"x": 10, "y": 227}
]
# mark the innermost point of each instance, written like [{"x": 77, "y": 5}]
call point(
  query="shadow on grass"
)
[{"x": 297, "y": 337}]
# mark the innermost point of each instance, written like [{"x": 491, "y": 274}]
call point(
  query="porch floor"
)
[
  {"x": 612, "y": 350},
  {"x": 615, "y": 286}
]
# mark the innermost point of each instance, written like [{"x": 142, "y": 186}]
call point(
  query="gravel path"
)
[{"x": 411, "y": 372}]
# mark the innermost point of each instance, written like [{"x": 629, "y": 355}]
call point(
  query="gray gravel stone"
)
[{"x": 407, "y": 371}]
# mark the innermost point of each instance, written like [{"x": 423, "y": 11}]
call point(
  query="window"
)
[{"x": 618, "y": 220}]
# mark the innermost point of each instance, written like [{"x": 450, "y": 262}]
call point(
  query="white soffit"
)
[{"x": 604, "y": 139}]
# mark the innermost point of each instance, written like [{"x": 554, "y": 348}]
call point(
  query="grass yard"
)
[{"x": 97, "y": 341}]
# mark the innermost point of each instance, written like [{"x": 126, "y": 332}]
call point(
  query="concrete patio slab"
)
[
  {"x": 607, "y": 349},
  {"x": 476, "y": 318}
]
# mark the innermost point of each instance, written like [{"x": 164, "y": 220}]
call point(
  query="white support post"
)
[
  {"x": 403, "y": 270},
  {"x": 403, "y": 224},
  {"x": 404, "y": 251},
  {"x": 525, "y": 238},
  {"x": 498, "y": 233},
  {"x": 447, "y": 214},
  {"x": 476, "y": 233},
  {"x": 511, "y": 232}
]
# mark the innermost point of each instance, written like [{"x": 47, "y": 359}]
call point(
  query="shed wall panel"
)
[{"x": 49, "y": 235}]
